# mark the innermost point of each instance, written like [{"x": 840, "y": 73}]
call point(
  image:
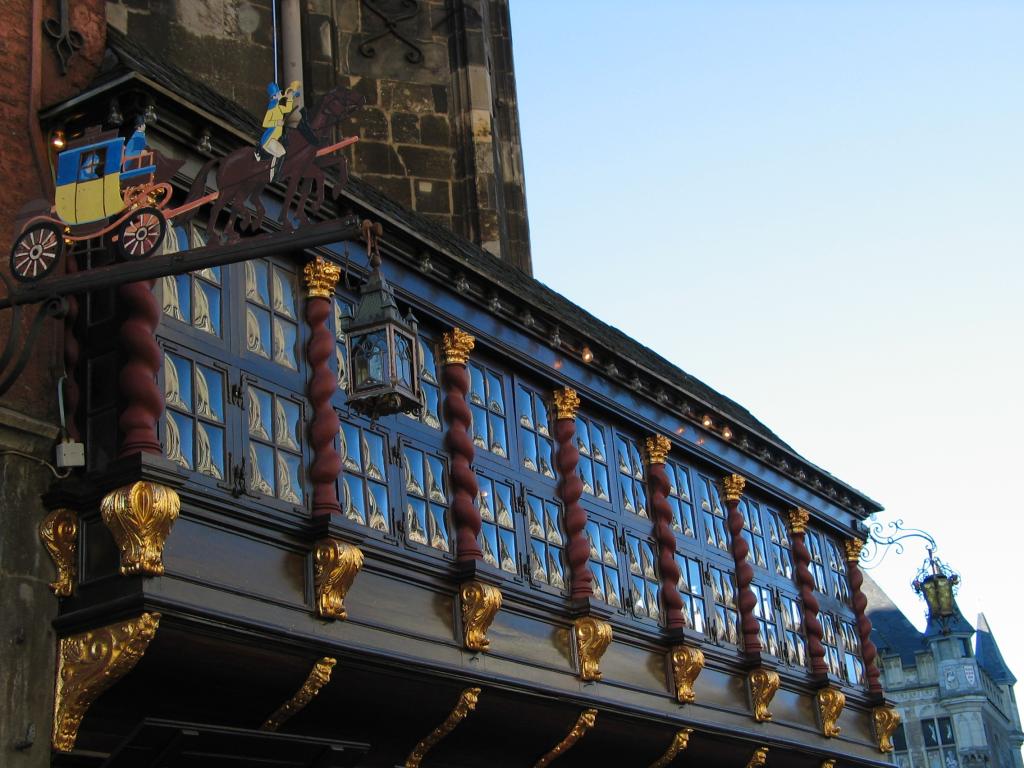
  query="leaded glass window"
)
[
  {"x": 534, "y": 432},
  {"x": 497, "y": 531},
  {"x": 723, "y": 592},
  {"x": 691, "y": 589},
  {"x": 342, "y": 313},
  {"x": 593, "y": 466},
  {"x": 275, "y": 445},
  {"x": 764, "y": 612},
  {"x": 632, "y": 494},
  {"x": 830, "y": 639},
  {"x": 487, "y": 407},
  {"x": 753, "y": 533},
  {"x": 837, "y": 564},
  {"x": 643, "y": 580},
  {"x": 430, "y": 388},
  {"x": 362, "y": 487},
  {"x": 193, "y": 298},
  {"x": 547, "y": 540},
  {"x": 426, "y": 499},
  {"x": 194, "y": 417},
  {"x": 781, "y": 547},
  {"x": 604, "y": 562},
  {"x": 715, "y": 532},
  {"x": 813, "y": 541},
  {"x": 271, "y": 312},
  {"x": 680, "y": 498},
  {"x": 792, "y": 629},
  {"x": 853, "y": 667}
]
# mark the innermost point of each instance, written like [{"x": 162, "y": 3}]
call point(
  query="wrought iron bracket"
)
[{"x": 412, "y": 9}]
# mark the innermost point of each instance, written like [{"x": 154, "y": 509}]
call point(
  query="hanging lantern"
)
[
  {"x": 936, "y": 582},
  {"x": 383, "y": 349}
]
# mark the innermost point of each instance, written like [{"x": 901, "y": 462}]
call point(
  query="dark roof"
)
[
  {"x": 989, "y": 658},
  {"x": 891, "y": 631},
  {"x": 132, "y": 57}
]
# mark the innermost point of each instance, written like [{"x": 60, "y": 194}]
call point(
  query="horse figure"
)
[{"x": 240, "y": 178}]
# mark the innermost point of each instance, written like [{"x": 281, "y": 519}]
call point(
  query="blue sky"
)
[{"x": 815, "y": 207}]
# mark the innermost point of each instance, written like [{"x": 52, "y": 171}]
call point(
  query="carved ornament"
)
[
  {"x": 321, "y": 277},
  {"x": 318, "y": 678},
  {"x": 884, "y": 720},
  {"x": 829, "y": 763},
  {"x": 59, "y": 532},
  {"x": 758, "y": 759},
  {"x": 593, "y": 637},
  {"x": 466, "y": 704},
  {"x": 853, "y": 549},
  {"x": 335, "y": 566},
  {"x": 656, "y": 449},
  {"x": 679, "y": 743},
  {"x": 687, "y": 663},
  {"x": 830, "y": 703},
  {"x": 480, "y": 604},
  {"x": 567, "y": 402},
  {"x": 456, "y": 346},
  {"x": 90, "y": 662},
  {"x": 140, "y": 517},
  {"x": 798, "y": 519},
  {"x": 763, "y": 684},
  {"x": 583, "y": 724},
  {"x": 732, "y": 487}
]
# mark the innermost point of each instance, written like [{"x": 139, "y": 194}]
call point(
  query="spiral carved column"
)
[
  {"x": 859, "y": 603},
  {"x": 798, "y": 519},
  {"x": 746, "y": 601},
  {"x": 321, "y": 277},
  {"x": 455, "y": 378},
  {"x": 72, "y": 354},
  {"x": 656, "y": 449},
  {"x": 143, "y": 402},
  {"x": 570, "y": 489}
]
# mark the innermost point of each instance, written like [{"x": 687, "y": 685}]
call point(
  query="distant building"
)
[{"x": 955, "y": 698}]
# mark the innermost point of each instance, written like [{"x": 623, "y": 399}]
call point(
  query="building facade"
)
[
  {"x": 951, "y": 687},
  {"x": 567, "y": 548}
]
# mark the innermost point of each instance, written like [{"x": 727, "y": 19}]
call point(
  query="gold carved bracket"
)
[
  {"x": 567, "y": 403},
  {"x": 798, "y": 519},
  {"x": 335, "y": 566},
  {"x": 466, "y": 704},
  {"x": 687, "y": 663},
  {"x": 828, "y": 763},
  {"x": 763, "y": 683},
  {"x": 593, "y": 637},
  {"x": 656, "y": 449},
  {"x": 680, "y": 742},
  {"x": 583, "y": 724},
  {"x": 853, "y": 549},
  {"x": 140, "y": 517},
  {"x": 758, "y": 759},
  {"x": 59, "y": 533},
  {"x": 456, "y": 346},
  {"x": 732, "y": 487},
  {"x": 884, "y": 721},
  {"x": 321, "y": 277},
  {"x": 480, "y": 604},
  {"x": 830, "y": 702},
  {"x": 88, "y": 664},
  {"x": 317, "y": 679}
]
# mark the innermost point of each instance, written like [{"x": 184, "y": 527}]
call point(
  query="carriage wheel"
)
[
  {"x": 141, "y": 233},
  {"x": 36, "y": 252}
]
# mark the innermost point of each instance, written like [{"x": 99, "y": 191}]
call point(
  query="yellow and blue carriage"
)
[{"x": 104, "y": 185}]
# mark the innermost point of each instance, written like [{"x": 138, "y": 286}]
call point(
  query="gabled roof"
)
[
  {"x": 891, "y": 631},
  {"x": 987, "y": 653}
]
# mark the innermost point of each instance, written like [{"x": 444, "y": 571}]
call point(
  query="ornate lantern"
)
[
  {"x": 936, "y": 581},
  {"x": 383, "y": 349}
]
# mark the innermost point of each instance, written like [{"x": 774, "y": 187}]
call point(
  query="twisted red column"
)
[
  {"x": 142, "y": 400},
  {"x": 746, "y": 600},
  {"x": 570, "y": 489},
  {"x": 465, "y": 515},
  {"x": 72, "y": 354},
  {"x": 658, "y": 488},
  {"x": 805, "y": 582},
  {"x": 859, "y": 603},
  {"x": 323, "y": 429}
]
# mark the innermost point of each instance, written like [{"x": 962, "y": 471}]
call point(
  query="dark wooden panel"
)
[
  {"x": 636, "y": 667},
  {"x": 402, "y": 606},
  {"x": 522, "y": 638}
]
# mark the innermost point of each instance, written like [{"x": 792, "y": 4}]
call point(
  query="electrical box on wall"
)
[{"x": 70, "y": 454}]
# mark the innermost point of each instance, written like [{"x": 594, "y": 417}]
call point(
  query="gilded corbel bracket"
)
[
  {"x": 59, "y": 533},
  {"x": 763, "y": 683},
  {"x": 829, "y": 763},
  {"x": 140, "y": 517},
  {"x": 88, "y": 664},
  {"x": 593, "y": 637},
  {"x": 830, "y": 702},
  {"x": 466, "y": 704},
  {"x": 583, "y": 724},
  {"x": 884, "y": 721},
  {"x": 679, "y": 743},
  {"x": 317, "y": 679},
  {"x": 335, "y": 566},
  {"x": 759, "y": 758},
  {"x": 480, "y": 604},
  {"x": 687, "y": 663}
]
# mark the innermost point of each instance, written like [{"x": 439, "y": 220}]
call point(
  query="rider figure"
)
[{"x": 280, "y": 104}]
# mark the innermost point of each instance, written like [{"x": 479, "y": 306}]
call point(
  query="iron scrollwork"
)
[
  {"x": 66, "y": 41},
  {"x": 883, "y": 538},
  {"x": 411, "y": 9}
]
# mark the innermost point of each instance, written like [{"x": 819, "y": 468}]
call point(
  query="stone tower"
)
[{"x": 440, "y": 132}]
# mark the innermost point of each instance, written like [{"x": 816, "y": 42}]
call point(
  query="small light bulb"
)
[
  {"x": 58, "y": 140},
  {"x": 727, "y": 433},
  {"x": 707, "y": 422},
  {"x": 587, "y": 354}
]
